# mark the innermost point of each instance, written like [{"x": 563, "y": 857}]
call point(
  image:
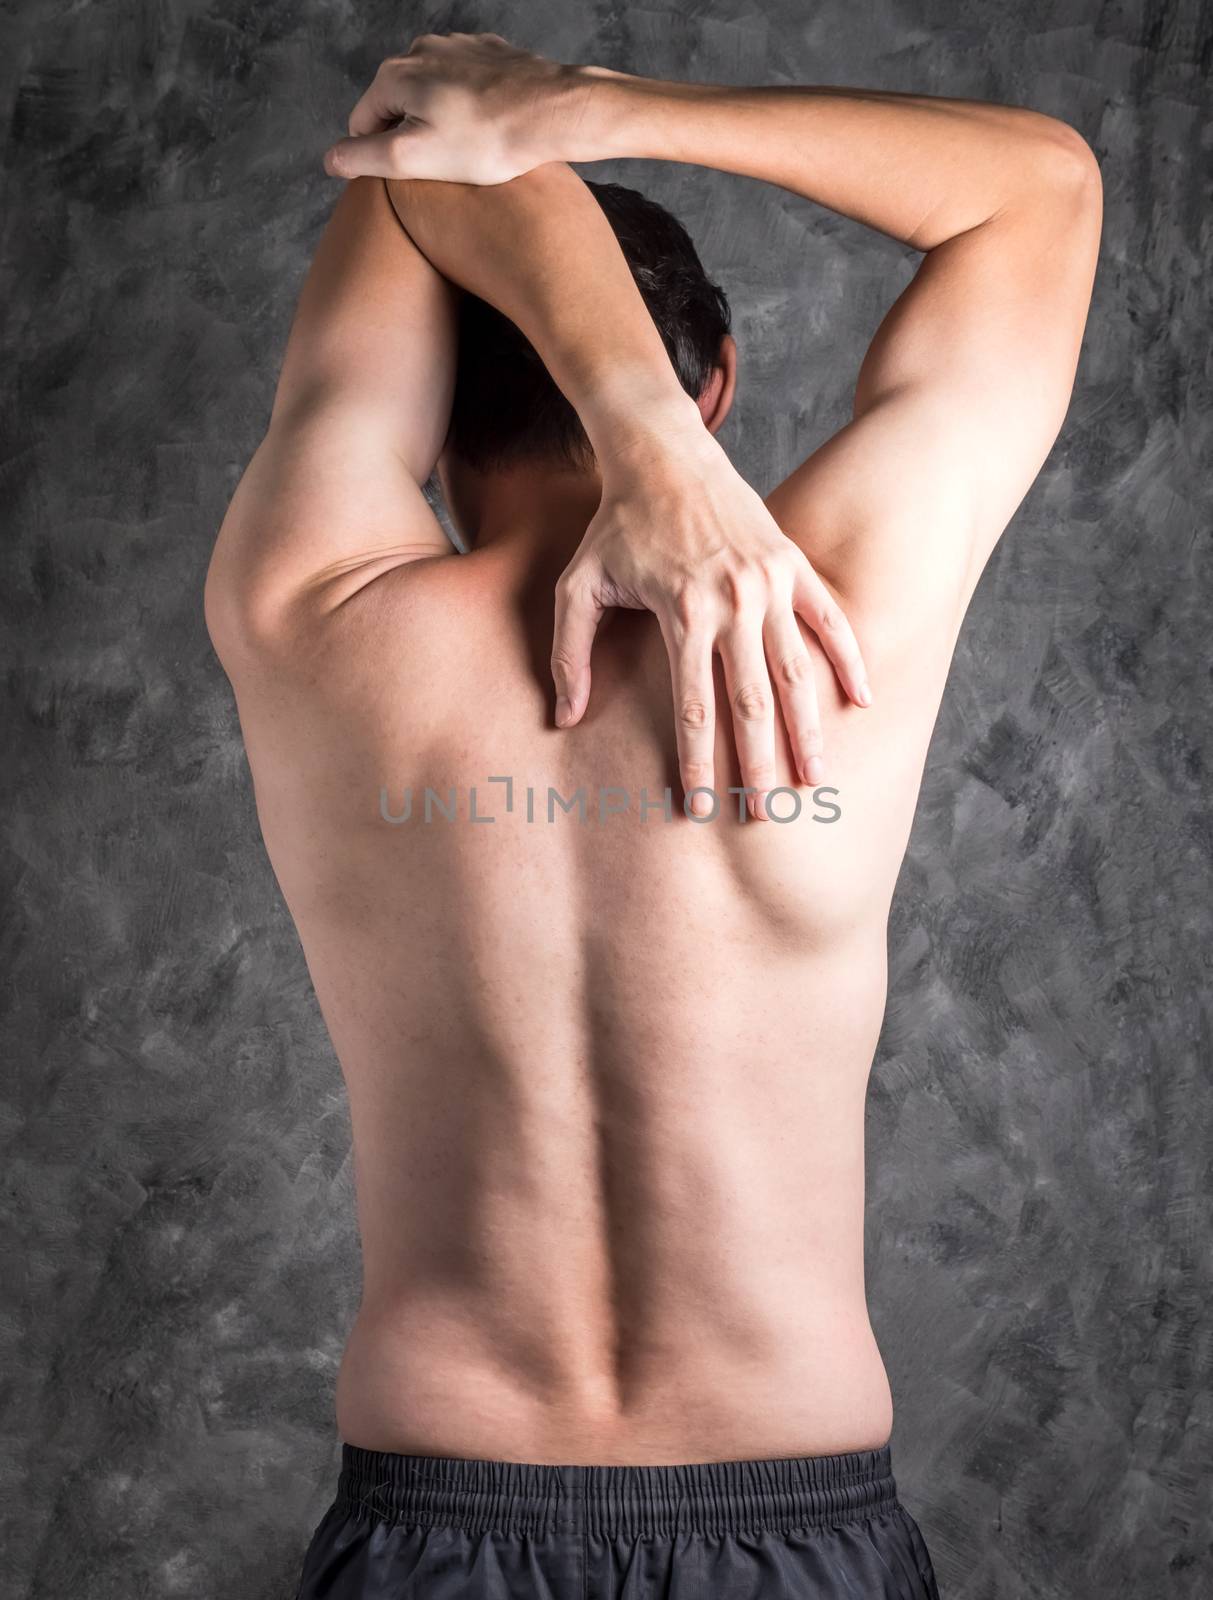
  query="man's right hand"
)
[
  {"x": 460, "y": 107},
  {"x": 681, "y": 534}
]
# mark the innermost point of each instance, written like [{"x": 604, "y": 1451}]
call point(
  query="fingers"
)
[
  {"x": 749, "y": 687},
  {"x": 384, "y": 103},
  {"x": 578, "y": 613},
  {"x": 373, "y": 155},
  {"x": 694, "y": 711},
  {"x": 814, "y": 602},
  {"x": 792, "y": 672}
]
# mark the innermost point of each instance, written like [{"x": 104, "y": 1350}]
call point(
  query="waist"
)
[
  {"x": 781, "y": 1493},
  {"x": 664, "y": 1390}
]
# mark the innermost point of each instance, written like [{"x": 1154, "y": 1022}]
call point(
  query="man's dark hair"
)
[{"x": 506, "y": 408}]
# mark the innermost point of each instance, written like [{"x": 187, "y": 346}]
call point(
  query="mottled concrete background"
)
[{"x": 183, "y": 1263}]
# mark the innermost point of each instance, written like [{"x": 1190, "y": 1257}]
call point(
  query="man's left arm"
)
[
  {"x": 678, "y": 531},
  {"x": 332, "y": 496}
]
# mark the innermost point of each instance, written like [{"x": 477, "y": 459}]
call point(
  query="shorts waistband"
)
[{"x": 779, "y": 1494}]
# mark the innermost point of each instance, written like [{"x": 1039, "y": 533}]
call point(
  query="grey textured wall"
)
[{"x": 181, "y": 1262}]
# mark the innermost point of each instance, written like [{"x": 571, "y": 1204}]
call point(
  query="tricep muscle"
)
[
  {"x": 332, "y": 496},
  {"x": 957, "y": 404}
]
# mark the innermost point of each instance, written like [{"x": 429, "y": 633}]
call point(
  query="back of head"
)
[{"x": 506, "y": 409}]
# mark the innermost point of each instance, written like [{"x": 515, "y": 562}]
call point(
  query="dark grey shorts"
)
[{"x": 435, "y": 1528}]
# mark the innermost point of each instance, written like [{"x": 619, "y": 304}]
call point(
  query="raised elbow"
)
[{"x": 1068, "y": 164}]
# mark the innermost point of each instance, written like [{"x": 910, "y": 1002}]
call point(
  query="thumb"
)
[
  {"x": 578, "y": 613},
  {"x": 372, "y": 155}
]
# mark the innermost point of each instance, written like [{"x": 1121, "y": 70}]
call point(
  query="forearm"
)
[
  {"x": 540, "y": 249},
  {"x": 920, "y": 169}
]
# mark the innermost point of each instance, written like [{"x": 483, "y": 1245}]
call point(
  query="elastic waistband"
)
[{"x": 783, "y": 1493}]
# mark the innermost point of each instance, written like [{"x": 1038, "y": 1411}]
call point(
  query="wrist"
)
[
  {"x": 676, "y": 452},
  {"x": 605, "y": 114},
  {"x": 631, "y": 412}
]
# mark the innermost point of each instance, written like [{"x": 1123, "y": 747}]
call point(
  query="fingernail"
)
[
  {"x": 758, "y": 806},
  {"x": 701, "y": 804},
  {"x": 814, "y": 771},
  {"x": 865, "y": 695},
  {"x": 564, "y": 712}
]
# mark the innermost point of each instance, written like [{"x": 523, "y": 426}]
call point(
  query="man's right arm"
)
[{"x": 967, "y": 380}]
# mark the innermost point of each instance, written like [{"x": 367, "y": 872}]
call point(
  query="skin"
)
[{"x": 607, "y": 1079}]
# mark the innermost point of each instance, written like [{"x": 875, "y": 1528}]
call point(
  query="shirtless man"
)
[{"x": 607, "y": 1066}]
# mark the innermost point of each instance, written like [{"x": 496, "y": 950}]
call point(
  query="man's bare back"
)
[
  {"x": 606, "y": 1077},
  {"x": 607, "y": 1063}
]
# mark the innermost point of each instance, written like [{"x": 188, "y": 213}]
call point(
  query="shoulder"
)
[
  {"x": 400, "y": 635},
  {"x": 893, "y": 543}
]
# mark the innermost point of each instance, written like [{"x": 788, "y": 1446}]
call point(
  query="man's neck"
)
[{"x": 540, "y": 509}]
